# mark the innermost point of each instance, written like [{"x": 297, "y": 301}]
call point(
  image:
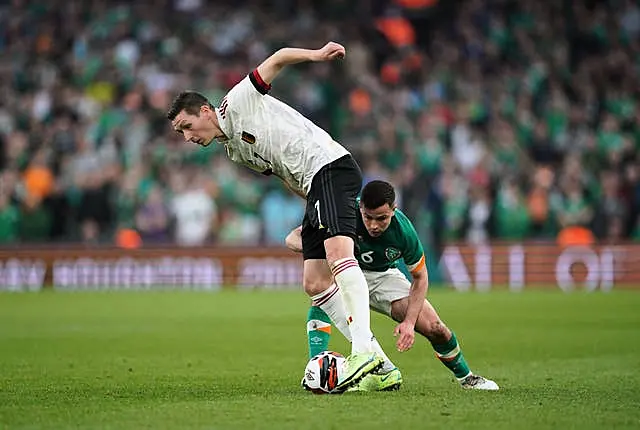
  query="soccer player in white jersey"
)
[{"x": 268, "y": 136}]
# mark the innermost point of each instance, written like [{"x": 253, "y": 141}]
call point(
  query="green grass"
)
[{"x": 234, "y": 361}]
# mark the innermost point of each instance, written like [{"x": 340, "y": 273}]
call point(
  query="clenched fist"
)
[{"x": 330, "y": 51}]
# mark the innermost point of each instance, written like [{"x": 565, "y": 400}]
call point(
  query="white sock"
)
[
  {"x": 388, "y": 365},
  {"x": 330, "y": 301},
  {"x": 354, "y": 290}
]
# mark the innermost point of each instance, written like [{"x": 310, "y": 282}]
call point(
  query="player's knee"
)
[
  {"x": 315, "y": 286},
  {"x": 338, "y": 248}
]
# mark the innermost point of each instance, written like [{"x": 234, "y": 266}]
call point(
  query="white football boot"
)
[{"x": 477, "y": 382}]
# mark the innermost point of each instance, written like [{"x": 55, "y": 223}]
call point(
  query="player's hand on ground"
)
[
  {"x": 405, "y": 334},
  {"x": 331, "y": 51}
]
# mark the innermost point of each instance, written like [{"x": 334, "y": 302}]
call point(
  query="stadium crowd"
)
[{"x": 495, "y": 119}]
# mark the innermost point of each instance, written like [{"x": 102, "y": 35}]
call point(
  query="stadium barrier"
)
[{"x": 497, "y": 266}]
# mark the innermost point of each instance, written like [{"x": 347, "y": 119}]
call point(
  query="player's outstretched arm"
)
[
  {"x": 270, "y": 67},
  {"x": 294, "y": 239},
  {"x": 405, "y": 330}
]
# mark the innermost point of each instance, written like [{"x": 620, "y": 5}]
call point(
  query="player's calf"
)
[
  {"x": 353, "y": 287},
  {"x": 446, "y": 346},
  {"x": 437, "y": 332}
]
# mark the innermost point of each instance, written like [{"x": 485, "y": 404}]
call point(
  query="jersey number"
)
[
  {"x": 367, "y": 257},
  {"x": 317, "y": 206}
]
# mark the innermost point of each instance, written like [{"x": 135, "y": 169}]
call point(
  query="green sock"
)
[
  {"x": 318, "y": 330},
  {"x": 451, "y": 356}
]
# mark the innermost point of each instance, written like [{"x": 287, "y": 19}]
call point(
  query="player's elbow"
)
[
  {"x": 272, "y": 66},
  {"x": 420, "y": 275}
]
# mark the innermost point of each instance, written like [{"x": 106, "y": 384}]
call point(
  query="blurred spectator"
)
[
  {"x": 37, "y": 177},
  {"x": 572, "y": 208},
  {"x": 152, "y": 217},
  {"x": 280, "y": 213},
  {"x": 194, "y": 210},
  {"x": 35, "y": 220},
  {"x": 512, "y": 220},
  {"x": 478, "y": 218},
  {"x": 454, "y": 193},
  {"x": 611, "y": 214},
  {"x": 9, "y": 220},
  {"x": 240, "y": 228}
]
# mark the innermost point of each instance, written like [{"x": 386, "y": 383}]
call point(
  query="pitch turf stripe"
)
[{"x": 326, "y": 298}]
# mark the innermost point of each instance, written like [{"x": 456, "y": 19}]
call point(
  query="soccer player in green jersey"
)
[{"x": 385, "y": 235}]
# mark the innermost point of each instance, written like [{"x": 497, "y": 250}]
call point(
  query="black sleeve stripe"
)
[{"x": 261, "y": 86}]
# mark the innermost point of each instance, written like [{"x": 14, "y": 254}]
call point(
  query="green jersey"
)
[{"x": 384, "y": 252}]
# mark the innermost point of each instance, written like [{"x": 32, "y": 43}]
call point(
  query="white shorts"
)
[{"x": 385, "y": 288}]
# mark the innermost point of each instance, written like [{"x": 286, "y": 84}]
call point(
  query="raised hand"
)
[{"x": 330, "y": 51}]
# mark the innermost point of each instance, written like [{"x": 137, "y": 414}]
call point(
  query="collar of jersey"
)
[{"x": 223, "y": 126}]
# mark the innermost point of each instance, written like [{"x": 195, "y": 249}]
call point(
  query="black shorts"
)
[{"x": 331, "y": 206}]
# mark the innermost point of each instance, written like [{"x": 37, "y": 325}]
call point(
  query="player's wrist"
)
[
  {"x": 315, "y": 55},
  {"x": 409, "y": 320}
]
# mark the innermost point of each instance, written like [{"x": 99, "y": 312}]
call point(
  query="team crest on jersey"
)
[
  {"x": 248, "y": 137},
  {"x": 392, "y": 253}
]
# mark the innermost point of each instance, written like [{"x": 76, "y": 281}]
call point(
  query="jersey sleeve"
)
[
  {"x": 247, "y": 94},
  {"x": 412, "y": 252}
]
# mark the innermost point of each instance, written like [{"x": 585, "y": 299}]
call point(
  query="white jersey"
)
[{"x": 270, "y": 137}]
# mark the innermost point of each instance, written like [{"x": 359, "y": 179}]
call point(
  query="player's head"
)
[
  {"x": 194, "y": 117},
  {"x": 377, "y": 206}
]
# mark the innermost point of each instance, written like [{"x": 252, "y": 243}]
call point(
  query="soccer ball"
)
[{"x": 323, "y": 372}]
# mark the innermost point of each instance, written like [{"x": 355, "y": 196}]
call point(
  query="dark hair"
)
[
  {"x": 189, "y": 101},
  {"x": 376, "y": 194}
]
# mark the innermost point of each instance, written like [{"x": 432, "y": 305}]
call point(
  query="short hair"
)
[
  {"x": 189, "y": 101},
  {"x": 376, "y": 194}
]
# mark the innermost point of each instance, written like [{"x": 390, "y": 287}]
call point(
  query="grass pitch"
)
[{"x": 234, "y": 361}]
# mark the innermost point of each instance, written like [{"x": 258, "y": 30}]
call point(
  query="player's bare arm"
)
[
  {"x": 270, "y": 67},
  {"x": 406, "y": 329}
]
